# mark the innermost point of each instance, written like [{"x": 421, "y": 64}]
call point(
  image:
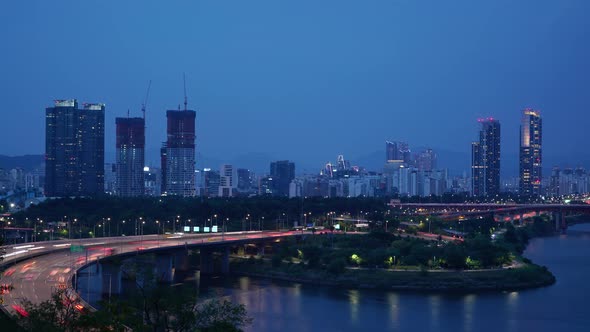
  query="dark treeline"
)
[{"x": 167, "y": 210}]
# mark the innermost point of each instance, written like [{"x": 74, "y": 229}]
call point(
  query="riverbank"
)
[{"x": 523, "y": 277}]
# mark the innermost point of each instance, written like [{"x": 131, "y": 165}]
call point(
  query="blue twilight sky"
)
[{"x": 302, "y": 80}]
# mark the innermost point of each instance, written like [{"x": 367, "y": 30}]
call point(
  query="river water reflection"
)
[{"x": 285, "y": 307}]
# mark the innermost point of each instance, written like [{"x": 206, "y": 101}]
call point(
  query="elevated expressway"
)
[
  {"x": 501, "y": 212},
  {"x": 36, "y": 269}
]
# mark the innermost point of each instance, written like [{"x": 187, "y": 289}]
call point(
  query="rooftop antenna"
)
[
  {"x": 127, "y": 113},
  {"x": 185, "y": 102},
  {"x": 147, "y": 94}
]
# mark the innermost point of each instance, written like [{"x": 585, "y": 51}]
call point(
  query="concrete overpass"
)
[{"x": 37, "y": 269}]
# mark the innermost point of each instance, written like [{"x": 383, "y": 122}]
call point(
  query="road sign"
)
[{"x": 76, "y": 248}]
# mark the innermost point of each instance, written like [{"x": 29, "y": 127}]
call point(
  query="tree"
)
[
  {"x": 59, "y": 313},
  {"x": 455, "y": 256}
]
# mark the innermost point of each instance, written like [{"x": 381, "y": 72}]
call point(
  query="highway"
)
[{"x": 35, "y": 270}]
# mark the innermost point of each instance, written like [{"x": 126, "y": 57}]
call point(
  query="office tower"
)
[
  {"x": 244, "y": 180},
  {"x": 151, "y": 179},
  {"x": 531, "y": 157},
  {"x": 397, "y": 152},
  {"x": 426, "y": 160},
  {"x": 266, "y": 185},
  {"x": 130, "y": 146},
  {"x": 74, "y": 149},
  {"x": 179, "y": 166},
  {"x": 485, "y": 160},
  {"x": 163, "y": 161},
  {"x": 282, "y": 173},
  {"x": 227, "y": 181},
  {"x": 210, "y": 181}
]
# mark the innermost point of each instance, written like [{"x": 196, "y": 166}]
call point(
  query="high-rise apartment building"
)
[
  {"x": 531, "y": 136},
  {"x": 130, "y": 146},
  {"x": 179, "y": 167},
  {"x": 74, "y": 149},
  {"x": 485, "y": 160},
  {"x": 282, "y": 173}
]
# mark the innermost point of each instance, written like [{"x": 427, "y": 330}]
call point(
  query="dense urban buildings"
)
[
  {"x": 397, "y": 152},
  {"x": 568, "y": 181},
  {"x": 531, "y": 157},
  {"x": 74, "y": 149},
  {"x": 485, "y": 159},
  {"x": 178, "y": 164},
  {"x": 282, "y": 173},
  {"x": 425, "y": 160},
  {"x": 130, "y": 147}
]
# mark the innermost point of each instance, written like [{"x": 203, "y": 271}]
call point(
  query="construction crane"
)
[
  {"x": 184, "y": 81},
  {"x": 147, "y": 94}
]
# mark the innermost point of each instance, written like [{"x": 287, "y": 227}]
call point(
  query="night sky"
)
[{"x": 302, "y": 80}]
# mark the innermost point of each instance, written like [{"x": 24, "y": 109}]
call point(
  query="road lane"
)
[{"x": 37, "y": 277}]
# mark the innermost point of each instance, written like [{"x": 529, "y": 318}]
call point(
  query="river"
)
[{"x": 286, "y": 307}]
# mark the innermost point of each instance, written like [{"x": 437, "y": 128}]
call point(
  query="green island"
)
[{"x": 405, "y": 261}]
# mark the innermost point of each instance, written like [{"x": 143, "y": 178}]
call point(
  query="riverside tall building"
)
[
  {"x": 282, "y": 173},
  {"x": 485, "y": 160},
  {"x": 179, "y": 154},
  {"x": 130, "y": 156},
  {"x": 531, "y": 134},
  {"x": 74, "y": 149}
]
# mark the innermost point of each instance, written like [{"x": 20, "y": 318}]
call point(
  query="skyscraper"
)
[
  {"x": 282, "y": 173},
  {"x": 485, "y": 160},
  {"x": 74, "y": 149},
  {"x": 180, "y": 153},
  {"x": 130, "y": 156},
  {"x": 531, "y": 136}
]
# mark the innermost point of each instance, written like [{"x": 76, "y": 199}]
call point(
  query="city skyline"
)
[{"x": 292, "y": 85}]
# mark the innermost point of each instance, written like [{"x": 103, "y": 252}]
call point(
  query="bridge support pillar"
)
[
  {"x": 511, "y": 216},
  {"x": 522, "y": 219},
  {"x": 241, "y": 251},
  {"x": 225, "y": 261},
  {"x": 181, "y": 261},
  {"x": 563, "y": 223},
  {"x": 261, "y": 250},
  {"x": 111, "y": 278},
  {"x": 206, "y": 261},
  {"x": 164, "y": 272},
  {"x": 537, "y": 213},
  {"x": 557, "y": 220}
]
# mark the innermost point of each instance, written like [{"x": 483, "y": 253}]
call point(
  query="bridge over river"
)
[
  {"x": 37, "y": 269},
  {"x": 501, "y": 212}
]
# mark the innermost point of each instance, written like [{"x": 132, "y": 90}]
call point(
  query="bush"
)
[
  {"x": 276, "y": 260},
  {"x": 336, "y": 266}
]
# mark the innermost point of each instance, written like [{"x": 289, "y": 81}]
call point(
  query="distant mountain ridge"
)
[{"x": 26, "y": 162}]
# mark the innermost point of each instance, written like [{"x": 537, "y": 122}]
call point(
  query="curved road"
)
[{"x": 35, "y": 270}]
